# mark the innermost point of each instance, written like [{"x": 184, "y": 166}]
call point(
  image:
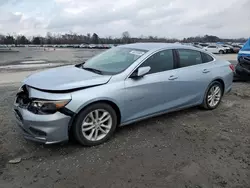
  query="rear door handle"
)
[
  {"x": 173, "y": 77},
  {"x": 205, "y": 71}
]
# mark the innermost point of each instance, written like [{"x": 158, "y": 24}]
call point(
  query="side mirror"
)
[{"x": 140, "y": 72}]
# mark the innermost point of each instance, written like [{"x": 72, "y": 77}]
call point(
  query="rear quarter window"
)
[{"x": 206, "y": 58}]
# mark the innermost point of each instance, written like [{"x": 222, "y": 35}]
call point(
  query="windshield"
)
[{"x": 114, "y": 60}]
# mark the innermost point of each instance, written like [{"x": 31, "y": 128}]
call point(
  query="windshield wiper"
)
[{"x": 92, "y": 70}]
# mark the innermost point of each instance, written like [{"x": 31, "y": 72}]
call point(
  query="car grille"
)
[
  {"x": 245, "y": 62},
  {"x": 246, "y": 66},
  {"x": 247, "y": 59}
]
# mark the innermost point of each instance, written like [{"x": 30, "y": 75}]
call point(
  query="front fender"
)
[
  {"x": 114, "y": 93},
  {"x": 94, "y": 101}
]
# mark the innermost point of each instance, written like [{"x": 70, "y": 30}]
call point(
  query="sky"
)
[{"x": 162, "y": 18}]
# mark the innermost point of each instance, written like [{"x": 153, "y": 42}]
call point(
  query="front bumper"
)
[
  {"x": 48, "y": 129},
  {"x": 242, "y": 73}
]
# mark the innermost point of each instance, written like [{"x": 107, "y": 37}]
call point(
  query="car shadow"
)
[
  {"x": 152, "y": 121},
  {"x": 72, "y": 146}
]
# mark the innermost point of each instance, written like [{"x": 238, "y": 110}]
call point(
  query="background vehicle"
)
[
  {"x": 215, "y": 49},
  {"x": 197, "y": 46},
  {"x": 92, "y": 46},
  {"x": 120, "y": 86},
  {"x": 244, "y": 51},
  {"x": 236, "y": 48},
  {"x": 4, "y": 48},
  {"x": 242, "y": 70},
  {"x": 84, "y": 46},
  {"x": 203, "y": 44},
  {"x": 229, "y": 48}
]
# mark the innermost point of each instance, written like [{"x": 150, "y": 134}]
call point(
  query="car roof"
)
[{"x": 155, "y": 46}]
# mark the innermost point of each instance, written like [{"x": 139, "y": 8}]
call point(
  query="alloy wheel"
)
[
  {"x": 96, "y": 125},
  {"x": 214, "y": 96}
]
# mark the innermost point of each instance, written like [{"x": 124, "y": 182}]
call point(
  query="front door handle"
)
[
  {"x": 173, "y": 77},
  {"x": 206, "y": 71}
]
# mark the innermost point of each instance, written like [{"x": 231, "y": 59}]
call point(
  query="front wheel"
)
[
  {"x": 95, "y": 124},
  {"x": 221, "y": 52},
  {"x": 213, "y": 96}
]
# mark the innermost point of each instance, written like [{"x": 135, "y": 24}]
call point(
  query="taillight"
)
[{"x": 231, "y": 67}]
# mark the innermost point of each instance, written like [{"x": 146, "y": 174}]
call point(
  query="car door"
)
[
  {"x": 215, "y": 49},
  {"x": 193, "y": 77},
  {"x": 153, "y": 92},
  {"x": 208, "y": 49},
  {"x": 211, "y": 49}
]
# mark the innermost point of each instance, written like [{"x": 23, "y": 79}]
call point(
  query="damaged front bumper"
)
[
  {"x": 46, "y": 129},
  {"x": 43, "y": 128}
]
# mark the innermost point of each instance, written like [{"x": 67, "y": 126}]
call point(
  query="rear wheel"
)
[
  {"x": 95, "y": 124},
  {"x": 213, "y": 96},
  {"x": 221, "y": 52}
]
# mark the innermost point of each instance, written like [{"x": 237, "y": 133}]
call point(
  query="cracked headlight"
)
[{"x": 47, "y": 106}]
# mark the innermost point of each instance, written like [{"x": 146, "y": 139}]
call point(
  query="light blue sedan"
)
[{"x": 120, "y": 86}]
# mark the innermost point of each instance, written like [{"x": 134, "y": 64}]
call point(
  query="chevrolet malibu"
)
[{"x": 120, "y": 86}]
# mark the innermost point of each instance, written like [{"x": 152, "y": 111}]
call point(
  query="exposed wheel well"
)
[{"x": 222, "y": 83}]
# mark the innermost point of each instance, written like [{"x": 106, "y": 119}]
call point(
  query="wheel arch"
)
[
  {"x": 220, "y": 80},
  {"x": 104, "y": 100},
  {"x": 214, "y": 80}
]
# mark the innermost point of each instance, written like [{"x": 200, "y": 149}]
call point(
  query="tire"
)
[
  {"x": 85, "y": 138},
  {"x": 207, "y": 102},
  {"x": 221, "y": 52}
]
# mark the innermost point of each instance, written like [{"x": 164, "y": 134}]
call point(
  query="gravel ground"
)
[{"x": 193, "y": 148}]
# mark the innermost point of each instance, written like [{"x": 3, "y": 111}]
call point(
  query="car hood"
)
[{"x": 65, "y": 78}]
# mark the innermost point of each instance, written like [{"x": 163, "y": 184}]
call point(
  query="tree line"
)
[{"x": 74, "y": 38}]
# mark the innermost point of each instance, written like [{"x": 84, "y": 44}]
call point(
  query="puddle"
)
[
  {"x": 33, "y": 62},
  {"x": 30, "y": 65}
]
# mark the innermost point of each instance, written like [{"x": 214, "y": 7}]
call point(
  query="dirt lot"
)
[
  {"x": 193, "y": 148},
  {"x": 49, "y": 55}
]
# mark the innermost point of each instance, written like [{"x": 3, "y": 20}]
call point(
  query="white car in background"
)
[
  {"x": 226, "y": 48},
  {"x": 215, "y": 49},
  {"x": 92, "y": 46},
  {"x": 83, "y": 46}
]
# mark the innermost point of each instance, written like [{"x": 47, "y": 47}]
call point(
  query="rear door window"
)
[{"x": 189, "y": 57}]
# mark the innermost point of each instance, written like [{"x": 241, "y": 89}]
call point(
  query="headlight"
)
[{"x": 47, "y": 106}]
